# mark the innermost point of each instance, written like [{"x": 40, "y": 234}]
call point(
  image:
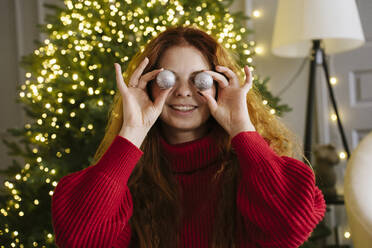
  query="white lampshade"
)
[{"x": 298, "y": 22}]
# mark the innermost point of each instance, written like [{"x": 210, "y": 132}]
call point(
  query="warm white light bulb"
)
[
  {"x": 259, "y": 50},
  {"x": 342, "y": 155},
  {"x": 333, "y": 80},
  {"x": 256, "y": 13}
]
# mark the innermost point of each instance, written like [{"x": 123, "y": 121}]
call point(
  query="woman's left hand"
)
[{"x": 231, "y": 110}]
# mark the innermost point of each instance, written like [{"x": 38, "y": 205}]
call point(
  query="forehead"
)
[{"x": 181, "y": 58}]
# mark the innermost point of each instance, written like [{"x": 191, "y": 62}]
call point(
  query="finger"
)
[
  {"x": 230, "y": 75},
  {"x": 119, "y": 79},
  {"x": 160, "y": 99},
  {"x": 147, "y": 77},
  {"x": 221, "y": 80},
  {"x": 138, "y": 72},
  {"x": 248, "y": 79},
  {"x": 212, "y": 104}
]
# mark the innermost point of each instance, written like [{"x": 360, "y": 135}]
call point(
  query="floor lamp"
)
[{"x": 314, "y": 28}]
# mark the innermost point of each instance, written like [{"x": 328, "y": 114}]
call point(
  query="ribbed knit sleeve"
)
[
  {"x": 276, "y": 196},
  {"x": 91, "y": 207}
]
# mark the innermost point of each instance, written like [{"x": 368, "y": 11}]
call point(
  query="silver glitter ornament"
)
[
  {"x": 165, "y": 79},
  {"x": 203, "y": 81}
]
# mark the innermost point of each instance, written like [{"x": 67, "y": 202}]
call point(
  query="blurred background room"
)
[{"x": 57, "y": 82}]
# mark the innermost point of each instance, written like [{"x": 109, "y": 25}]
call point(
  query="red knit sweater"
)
[{"x": 277, "y": 197}]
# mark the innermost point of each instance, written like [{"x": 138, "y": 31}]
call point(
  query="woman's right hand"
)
[{"x": 139, "y": 112}]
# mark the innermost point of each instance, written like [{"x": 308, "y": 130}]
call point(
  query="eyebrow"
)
[{"x": 192, "y": 74}]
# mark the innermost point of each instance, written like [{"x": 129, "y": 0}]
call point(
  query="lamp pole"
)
[
  {"x": 310, "y": 101},
  {"x": 315, "y": 52}
]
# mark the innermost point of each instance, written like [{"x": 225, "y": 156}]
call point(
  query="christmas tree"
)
[{"x": 70, "y": 84}]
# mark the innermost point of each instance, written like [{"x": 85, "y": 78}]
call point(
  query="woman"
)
[{"x": 181, "y": 167}]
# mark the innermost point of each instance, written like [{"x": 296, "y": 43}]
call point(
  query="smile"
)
[{"x": 183, "y": 109}]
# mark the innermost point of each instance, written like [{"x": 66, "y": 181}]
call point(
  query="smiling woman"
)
[{"x": 184, "y": 167}]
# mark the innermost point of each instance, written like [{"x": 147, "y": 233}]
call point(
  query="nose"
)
[{"x": 182, "y": 88}]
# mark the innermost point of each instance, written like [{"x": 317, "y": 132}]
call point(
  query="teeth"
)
[{"x": 183, "y": 108}]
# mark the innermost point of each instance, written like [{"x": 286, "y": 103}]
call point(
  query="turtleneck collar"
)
[{"x": 191, "y": 156}]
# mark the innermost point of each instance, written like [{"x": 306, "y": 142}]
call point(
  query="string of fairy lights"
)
[{"x": 101, "y": 33}]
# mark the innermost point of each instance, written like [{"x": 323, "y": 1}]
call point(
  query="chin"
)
[{"x": 183, "y": 126}]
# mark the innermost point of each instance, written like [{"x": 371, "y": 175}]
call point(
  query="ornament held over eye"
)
[
  {"x": 203, "y": 81},
  {"x": 165, "y": 79}
]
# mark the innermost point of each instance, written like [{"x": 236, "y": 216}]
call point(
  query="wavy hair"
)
[{"x": 157, "y": 209}]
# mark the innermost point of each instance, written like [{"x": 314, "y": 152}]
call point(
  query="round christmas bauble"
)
[
  {"x": 165, "y": 79},
  {"x": 203, "y": 81}
]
